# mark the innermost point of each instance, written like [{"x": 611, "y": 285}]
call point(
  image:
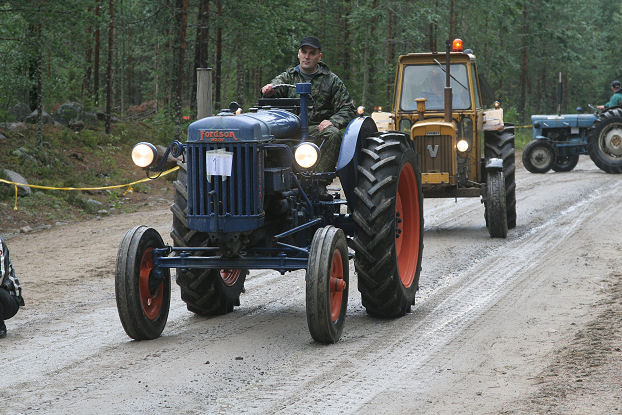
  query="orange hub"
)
[
  {"x": 230, "y": 276},
  {"x": 408, "y": 220},
  {"x": 152, "y": 304},
  {"x": 336, "y": 285}
]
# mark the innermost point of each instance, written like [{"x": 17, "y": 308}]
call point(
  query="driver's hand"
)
[
  {"x": 600, "y": 107},
  {"x": 267, "y": 90},
  {"x": 323, "y": 125}
]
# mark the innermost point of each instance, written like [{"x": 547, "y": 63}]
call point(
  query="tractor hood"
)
[
  {"x": 562, "y": 121},
  {"x": 263, "y": 125}
]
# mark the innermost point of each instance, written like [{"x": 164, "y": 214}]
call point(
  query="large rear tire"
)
[
  {"x": 388, "y": 218},
  {"x": 500, "y": 144},
  {"x": 205, "y": 291},
  {"x": 495, "y": 209},
  {"x": 605, "y": 141},
  {"x": 143, "y": 300},
  {"x": 327, "y": 281}
]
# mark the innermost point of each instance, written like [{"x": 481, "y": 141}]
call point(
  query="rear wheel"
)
[
  {"x": 605, "y": 141},
  {"x": 142, "y": 294},
  {"x": 565, "y": 163},
  {"x": 205, "y": 291},
  {"x": 388, "y": 218},
  {"x": 495, "y": 209},
  {"x": 538, "y": 156},
  {"x": 500, "y": 144},
  {"x": 327, "y": 281}
]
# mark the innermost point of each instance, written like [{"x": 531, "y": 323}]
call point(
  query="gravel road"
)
[{"x": 529, "y": 324}]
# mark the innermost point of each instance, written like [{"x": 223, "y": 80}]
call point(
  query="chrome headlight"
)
[
  {"x": 462, "y": 145},
  {"x": 307, "y": 155},
  {"x": 144, "y": 154}
]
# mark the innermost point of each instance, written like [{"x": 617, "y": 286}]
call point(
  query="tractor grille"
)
[
  {"x": 435, "y": 153},
  {"x": 233, "y": 204}
]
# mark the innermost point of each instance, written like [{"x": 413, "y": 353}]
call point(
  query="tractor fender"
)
[
  {"x": 494, "y": 164},
  {"x": 347, "y": 163}
]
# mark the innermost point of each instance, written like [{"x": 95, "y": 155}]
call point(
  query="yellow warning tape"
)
[{"x": 117, "y": 186}]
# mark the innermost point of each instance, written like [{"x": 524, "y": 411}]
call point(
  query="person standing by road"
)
[
  {"x": 332, "y": 106},
  {"x": 10, "y": 289},
  {"x": 616, "y": 98}
]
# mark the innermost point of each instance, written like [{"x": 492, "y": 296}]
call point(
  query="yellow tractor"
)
[{"x": 464, "y": 151}]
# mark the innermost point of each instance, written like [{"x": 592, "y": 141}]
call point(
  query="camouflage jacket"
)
[
  {"x": 8, "y": 279},
  {"x": 329, "y": 96}
]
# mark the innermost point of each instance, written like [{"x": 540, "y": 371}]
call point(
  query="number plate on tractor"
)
[{"x": 218, "y": 163}]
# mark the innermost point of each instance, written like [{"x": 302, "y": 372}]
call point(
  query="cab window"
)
[{"x": 428, "y": 81}]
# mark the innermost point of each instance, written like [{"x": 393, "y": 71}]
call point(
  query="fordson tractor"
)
[
  {"x": 463, "y": 150},
  {"x": 558, "y": 140},
  {"x": 247, "y": 197}
]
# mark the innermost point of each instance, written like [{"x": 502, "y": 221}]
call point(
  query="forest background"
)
[{"x": 122, "y": 53}]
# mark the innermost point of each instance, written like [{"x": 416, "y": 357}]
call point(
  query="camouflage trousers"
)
[{"x": 329, "y": 142}]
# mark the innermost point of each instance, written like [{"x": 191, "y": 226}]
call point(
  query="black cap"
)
[
  {"x": 615, "y": 84},
  {"x": 311, "y": 41}
]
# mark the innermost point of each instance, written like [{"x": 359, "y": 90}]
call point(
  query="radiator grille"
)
[
  {"x": 435, "y": 153},
  {"x": 231, "y": 204}
]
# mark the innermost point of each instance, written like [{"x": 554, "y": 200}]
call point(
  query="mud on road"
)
[{"x": 529, "y": 324}]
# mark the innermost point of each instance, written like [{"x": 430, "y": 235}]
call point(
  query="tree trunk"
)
[
  {"x": 96, "y": 55},
  {"x": 88, "y": 59},
  {"x": 346, "y": 42},
  {"x": 181, "y": 18},
  {"x": 201, "y": 44},
  {"x": 109, "y": 65},
  {"x": 523, "y": 68},
  {"x": 219, "y": 56},
  {"x": 389, "y": 84}
]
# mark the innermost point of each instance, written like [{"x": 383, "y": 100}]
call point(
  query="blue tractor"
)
[
  {"x": 247, "y": 197},
  {"x": 558, "y": 140}
]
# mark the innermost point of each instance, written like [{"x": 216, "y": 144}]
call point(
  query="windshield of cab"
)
[{"x": 428, "y": 81}]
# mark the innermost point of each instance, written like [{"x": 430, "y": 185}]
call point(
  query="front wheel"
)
[
  {"x": 496, "y": 218},
  {"x": 565, "y": 163},
  {"x": 143, "y": 293},
  {"x": 327, "y": 281},
  {"x": 538, "y": 156},
  {"x": 388, "y": 219}
]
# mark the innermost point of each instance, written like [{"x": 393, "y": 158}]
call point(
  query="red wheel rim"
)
[
  {"x": 337, "y": 285},
  {"x": 407, "y": 219},
  {"x": 152, "y": 304},
  {"x": 230, "y": 276}
]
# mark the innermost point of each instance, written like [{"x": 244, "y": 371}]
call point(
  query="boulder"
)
[
  {"x": 20, "y": 111},
  {"x": 67, "y": 113},
  {"x": 32, "y": 118},
  {"x": 18, "y": 178}
]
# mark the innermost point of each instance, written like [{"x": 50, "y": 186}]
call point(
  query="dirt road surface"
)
[{"x": 529, "y": 324}]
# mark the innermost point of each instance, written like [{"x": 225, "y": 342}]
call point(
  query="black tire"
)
[
  {"x": 539, "y": 156},
  {"x": 500, "y": 144},
  {"x": 495, "y": 209},
  {"x": 565, "y": 163},
  {"x": 327, "y": 281},
  {"x": 143, "y": 310},
  {"x": 205, "y": 291},
  {"x": 388, "y": 219},
  {"x": 605, "y": 141}
]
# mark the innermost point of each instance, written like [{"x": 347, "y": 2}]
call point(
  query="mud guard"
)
[{"x": 356, "y": 130}]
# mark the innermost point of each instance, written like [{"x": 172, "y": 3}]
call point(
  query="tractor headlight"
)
[
  {"x": 144, "y": 154},
  {"x": 306, "y": 155},
  {"x": 462, "y": 145}
]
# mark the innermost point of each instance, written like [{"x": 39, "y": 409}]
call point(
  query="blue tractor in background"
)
[
  {"x": 247, "y": 197},
  {"x": 558, "y": 140}
]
